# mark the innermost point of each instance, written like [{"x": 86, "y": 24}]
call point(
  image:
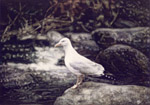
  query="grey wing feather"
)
[{"x": 88, "y": 68}]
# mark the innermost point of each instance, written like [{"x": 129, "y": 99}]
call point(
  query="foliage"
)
[{"x": 72, "y": 15}]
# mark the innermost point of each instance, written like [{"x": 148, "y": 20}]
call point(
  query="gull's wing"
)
[{"x": 87, "y": 67}]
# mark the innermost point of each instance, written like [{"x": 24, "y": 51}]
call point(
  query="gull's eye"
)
[{"x": 62, "y": 41}]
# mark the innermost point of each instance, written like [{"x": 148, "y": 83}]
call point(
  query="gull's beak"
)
[{"x": 57, "y": 45}]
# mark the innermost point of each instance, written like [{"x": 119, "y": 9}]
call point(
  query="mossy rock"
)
[
  {"x": 135, "y": 37},
  {"x": 126, "y": 64}
]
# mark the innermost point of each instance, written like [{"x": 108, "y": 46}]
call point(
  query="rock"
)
[
  {"x": 138, "y": 38},
  {"x": 82, "y": 41},
  {"x": 125, "y": 63},
  {"x": 91, "y": 93},
  {"x": 38, "y": 82},
  {"x": 28, "y": 86},
  {"x": 53, "y": 37}
]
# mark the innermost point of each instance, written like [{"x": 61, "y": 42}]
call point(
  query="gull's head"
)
[{"x": 63, "y": 42}]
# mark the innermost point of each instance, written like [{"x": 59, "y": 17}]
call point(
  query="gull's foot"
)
[{"x": 74, "y": 86}]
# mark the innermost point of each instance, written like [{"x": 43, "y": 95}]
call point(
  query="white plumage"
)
[{"x": 78, "y": 64}]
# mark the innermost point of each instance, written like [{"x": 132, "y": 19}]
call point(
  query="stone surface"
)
[
  {"x": 125, "y": 63},
  {"x": 26, "y": 86},
  {"x": 91, "y": 93},
  {"x": 82, "y": 41},
  {"x": 39, "y": 82},
  {"x": 138, "y": 38},
  {"x": 46, "y": 77}
]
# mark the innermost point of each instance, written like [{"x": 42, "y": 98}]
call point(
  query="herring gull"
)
[{"x": 78, "y": 64}]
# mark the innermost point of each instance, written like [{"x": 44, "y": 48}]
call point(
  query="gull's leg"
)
[
  {"x": 77, "y": 82},
  {"x": 81, "y": 79}
]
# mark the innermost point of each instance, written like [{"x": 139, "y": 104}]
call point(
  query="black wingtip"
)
[
  {"x": 111, "y": 77},
  {"x": 104, "y": 76}
]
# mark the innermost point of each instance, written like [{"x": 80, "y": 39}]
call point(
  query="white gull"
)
[{"x": 78, "y": 64}]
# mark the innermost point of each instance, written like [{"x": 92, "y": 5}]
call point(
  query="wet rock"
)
[
  {"x": 138, "y": 38},
  {"x": 91, "y": 93},
  {"x": 53, "y": 37},
  {"x": 38, "y": 82},
  {"x": 33, "y": 86},
  {"x": 126, "y": 64}
]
